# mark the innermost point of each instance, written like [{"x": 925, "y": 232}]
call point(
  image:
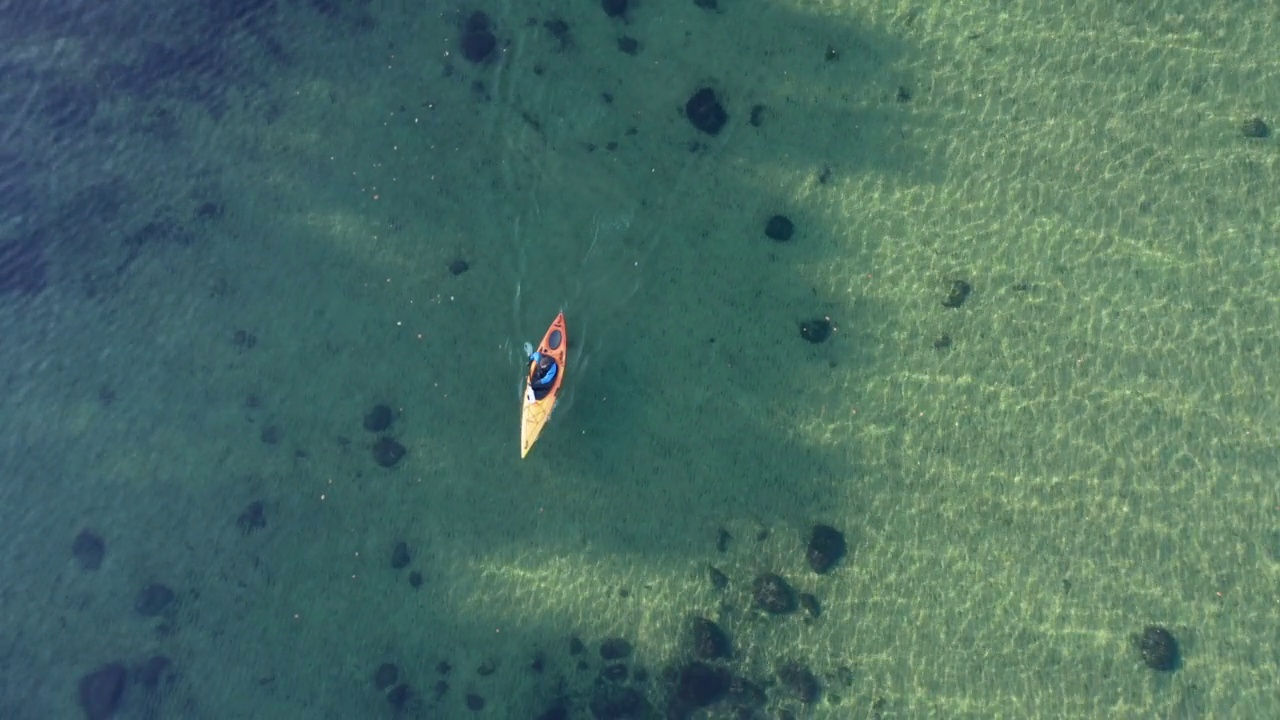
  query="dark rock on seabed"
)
[
  {"x": 400, "y": 555},
  {"x": 818, "y": 330},
  {"x": 705, "y": 112},
  {"x": 378, "y": 418},
  {"x": 478, "y": 40},
  {"x": 710, "y": 642},
  {"x": 615, "y": 649},
  {"x": 773, "y": 594},
  {"x": 779, "y": 228},
  {"x": 153, "y": 599},
  {"x": 387, "y": 452},
  {"x": 88, "y": 549},
  {"x": 1158, "y": 648},
  {"x": 385, "y": 676},
  {"x": 102, "y": 690},
  {"x": 826, "y": 548}
]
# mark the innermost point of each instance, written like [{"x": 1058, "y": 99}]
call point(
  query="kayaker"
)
[{"x": 542, "y": 374}]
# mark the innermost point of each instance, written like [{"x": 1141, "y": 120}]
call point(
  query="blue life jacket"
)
[{"x": 550, "y": 377}]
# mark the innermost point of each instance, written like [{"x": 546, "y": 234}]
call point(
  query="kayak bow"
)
[{"x": 536, "y": 412}]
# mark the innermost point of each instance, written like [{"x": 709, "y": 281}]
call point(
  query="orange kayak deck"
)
[{"x": 535, "y": 413}]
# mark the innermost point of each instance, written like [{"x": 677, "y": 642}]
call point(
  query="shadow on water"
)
[
  {"x": 751, "y": 371},
  {"x": 92, "y": 92},
  {"x": 692, "y": 309},
  {"x": 689, "y": 362}
]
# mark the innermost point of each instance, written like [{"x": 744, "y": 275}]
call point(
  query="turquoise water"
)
[{"x": 231, "y": 230}]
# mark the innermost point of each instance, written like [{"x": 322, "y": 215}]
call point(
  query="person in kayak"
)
[{"x": 542, "y": 374}]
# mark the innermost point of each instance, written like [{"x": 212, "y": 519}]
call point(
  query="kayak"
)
[{"x": 535, "y": 412}]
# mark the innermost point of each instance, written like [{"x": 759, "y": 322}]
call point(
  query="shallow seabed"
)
[{"x": 238, "y": 261}]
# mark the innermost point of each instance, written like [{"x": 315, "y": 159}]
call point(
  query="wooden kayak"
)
[{"x": 535, "y": 411}]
